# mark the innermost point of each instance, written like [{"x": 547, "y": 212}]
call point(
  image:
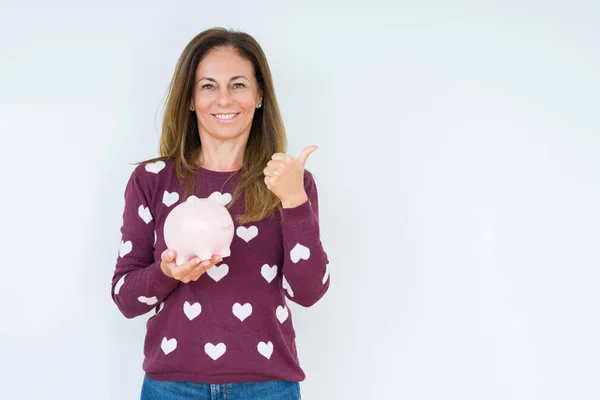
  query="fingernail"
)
[{"x": 198, "y": 261}]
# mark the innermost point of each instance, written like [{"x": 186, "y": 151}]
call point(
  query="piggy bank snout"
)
[{"x": 224, "y": 222}]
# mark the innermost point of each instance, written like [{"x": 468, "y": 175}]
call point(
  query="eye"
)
[
  {"x": 207, "y": 86},
  {"x": 239, "y": 85}
]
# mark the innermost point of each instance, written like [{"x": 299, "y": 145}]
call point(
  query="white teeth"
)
[{"x": 225, "y": 116}]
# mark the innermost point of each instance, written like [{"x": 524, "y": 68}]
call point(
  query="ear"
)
[{"x": 259, "y": 99}]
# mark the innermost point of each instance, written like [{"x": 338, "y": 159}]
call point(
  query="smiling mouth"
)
[{"x": 225, "y": 117}]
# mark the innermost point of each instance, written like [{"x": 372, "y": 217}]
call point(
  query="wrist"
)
[
  {"x": 294, "y": 202},
  {"x": 165, "y": 270}
]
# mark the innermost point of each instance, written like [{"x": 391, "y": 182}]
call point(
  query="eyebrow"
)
[{"x": 232, "y": 78}]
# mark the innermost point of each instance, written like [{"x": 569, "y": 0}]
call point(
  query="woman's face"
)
[{"x": 225, "y": 95}]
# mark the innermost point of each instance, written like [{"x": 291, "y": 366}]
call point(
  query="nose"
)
[{"x": 224, "y": 97}]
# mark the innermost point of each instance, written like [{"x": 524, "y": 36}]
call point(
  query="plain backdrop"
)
[{"x": 458, "y": 172}]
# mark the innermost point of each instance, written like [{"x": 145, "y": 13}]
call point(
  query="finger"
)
[
  {"x": 204, "y": 266},
  {"x": 198, "y": 271},
  {"x": 268, "y": 181},
  {"x": 182, "y": 270},
  {"x": 168, "y": 256},
  {"x": 272, "y": 171},
  {"x": 280, "y": 157},
  {"x": 196, "y": 276},
  {"x": 276, "y": 163},
  {"x": 305, "y": 153}
]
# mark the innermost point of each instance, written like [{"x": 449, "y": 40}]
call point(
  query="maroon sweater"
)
[{"x": 232, "y": 324}]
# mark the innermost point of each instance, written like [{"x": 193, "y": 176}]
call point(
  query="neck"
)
[{"x": 223, "y": 156}]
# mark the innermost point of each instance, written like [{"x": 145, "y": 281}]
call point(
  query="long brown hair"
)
[{"x": 180, "y": 139}]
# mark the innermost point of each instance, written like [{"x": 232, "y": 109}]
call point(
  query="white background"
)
[{"x": 459, "y": 178}]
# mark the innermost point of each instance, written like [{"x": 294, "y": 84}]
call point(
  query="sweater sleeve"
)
[
  {"x": 306, "y": 265},
  {"x": 138, "y": 283}
]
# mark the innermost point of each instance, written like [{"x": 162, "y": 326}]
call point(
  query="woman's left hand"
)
[{"x": 284, "y": 176}]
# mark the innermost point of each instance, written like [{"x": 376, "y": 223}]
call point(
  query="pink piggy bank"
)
[{"x": 199, "y": 228}]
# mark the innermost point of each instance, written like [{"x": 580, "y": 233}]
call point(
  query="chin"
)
[{"x": 225, "y": 134}]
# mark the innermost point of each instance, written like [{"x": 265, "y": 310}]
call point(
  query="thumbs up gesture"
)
[{"x": 284, "y": 176}]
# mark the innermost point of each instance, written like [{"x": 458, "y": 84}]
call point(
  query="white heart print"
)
[
  {"x": 169, "y": 345},
  {"x": 287, "y": 287},
  {"x": 223, "y": 198},
  {"x": 215, "y": 351},
  {"x": 217, "y": 272},
  {"x": 326, "y": 275},
  {"x": 148, "y": 300},
  {"x": 125, "y": 248},
  {"x": 247, "y": 234},
  {"x": 242, "y": 311},
  {"x": 155, "y": 167},
  {"x": 269, "y": 273},
  {"x": 299, "y": 252},
  {"x": 120, "y": 284},
  {"x": 170, "y": 198},
  {"x": 266, "y": 349},
  {"x": 191, "y": 311},
  {"x": 282, "y": 313},
  {"x": 144, "y": 213}
]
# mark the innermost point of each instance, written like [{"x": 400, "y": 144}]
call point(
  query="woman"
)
[{"x": 221, "y": 328}]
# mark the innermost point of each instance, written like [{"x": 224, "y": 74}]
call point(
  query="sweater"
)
[{"x": 233, "y": 324}]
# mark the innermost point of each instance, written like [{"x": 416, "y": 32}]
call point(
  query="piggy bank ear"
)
[
  {"x": 193, "y": 200},
  {"x": 219, "y": 198},
  {"x": 216, "y": 196}
]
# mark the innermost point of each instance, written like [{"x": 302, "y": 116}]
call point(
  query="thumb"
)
[
  {"x": 168, "y": 256},
  {"x": 305, "y": 153}
]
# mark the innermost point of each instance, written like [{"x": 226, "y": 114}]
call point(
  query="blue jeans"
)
[{"x": 172, "y": 390}]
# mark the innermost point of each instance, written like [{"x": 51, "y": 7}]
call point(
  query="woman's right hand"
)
[{"x": 189, "y": 271}]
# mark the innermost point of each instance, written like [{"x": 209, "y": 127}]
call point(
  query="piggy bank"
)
[{"x": 199, "y": 228}]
